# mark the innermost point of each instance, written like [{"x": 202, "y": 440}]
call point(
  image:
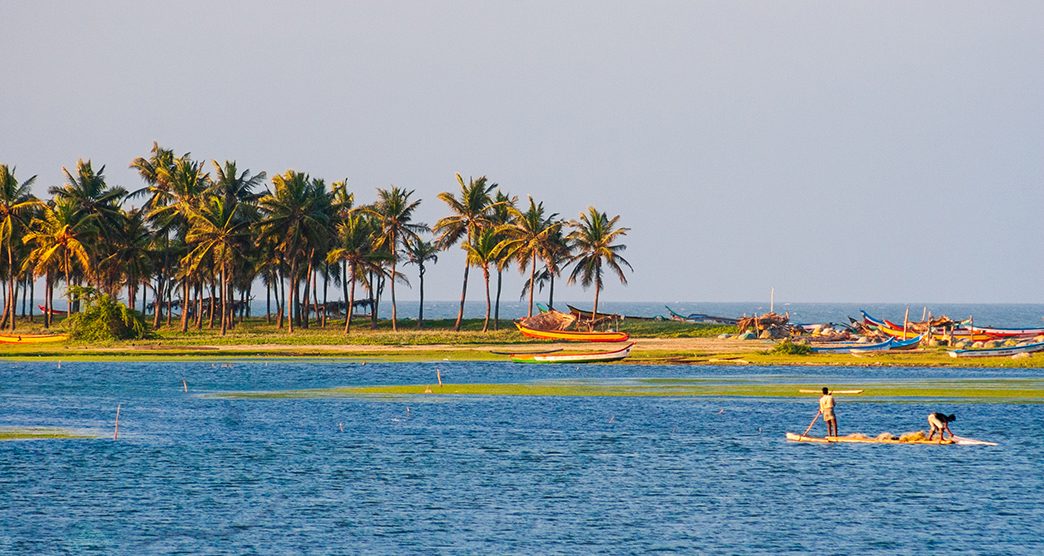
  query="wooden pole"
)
[
  {"x": 906, "y": 321},
  {"x": 438, "y": 376},
  {"x": 924, "y": 311},
  {"x": 184, "y": 385},
  {"x": 814, "y": 419},
  {"x": 116, "y": 434}
]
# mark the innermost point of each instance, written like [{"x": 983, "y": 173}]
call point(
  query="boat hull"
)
[
  {"x": 587, "y": 357},
  {"x": 998, "y": 352},
  {"x": 572, "y": 336},
  {"x": 794, "y": 437},
  {"x": 28, "y": 339}
]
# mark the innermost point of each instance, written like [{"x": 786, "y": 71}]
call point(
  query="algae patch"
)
[{"x": 41, "y": 433}]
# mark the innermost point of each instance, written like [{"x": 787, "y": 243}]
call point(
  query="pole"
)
[
  {"x": 772, "y": 300},
  {"x": 116, "y": 434},
  {"x": 814, "y": 419},
  {"x": 906, "y": 321}
]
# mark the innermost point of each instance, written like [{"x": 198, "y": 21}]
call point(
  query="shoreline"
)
[{"x": 647, "y": 351}]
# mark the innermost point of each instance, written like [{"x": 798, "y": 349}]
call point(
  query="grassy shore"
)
[
  {"x": 657, "y": 342},
  {"x": 1022, "y": 390}
]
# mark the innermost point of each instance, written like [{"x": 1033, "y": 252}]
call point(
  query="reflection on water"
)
[{"x": 494, "y": 475}]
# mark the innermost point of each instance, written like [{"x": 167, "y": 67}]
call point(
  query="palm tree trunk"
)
[
  {"x": 344, "y": 283},
  {"x": 351, "y": 304},
  {"x": 212, "y": 305},
  {"x": 11, "y": 283},
  {"x": 551, "y": 290},
  {"x": 280, "y": 294},
  {"x": 394, "y": 316},
  {"x": 463, "y": 295},
  {"x": 290, "y": 298},
  {"x": 49, "y": 302},
  {"x": 315, "y": 293},
  {"x": 32, "y": 296},
  {"x": 224, "y": 300},
  {"x": 420, "y": 306},
  {"x": 157, "y": 302},
  {"x": 68, "y": 286},
  {"x": 594, "y": 311},
  {"x": 326, "y": 291},
  {"x": 532, "y": 283},
  {"x": 496, "y": 311},
  {"x": 485, "y": 277},
  {"x": 184, "y": 304}
]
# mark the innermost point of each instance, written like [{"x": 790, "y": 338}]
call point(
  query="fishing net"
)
[
  {"x": 551, "y": 320},
  {"x": 913, "y": 436}
]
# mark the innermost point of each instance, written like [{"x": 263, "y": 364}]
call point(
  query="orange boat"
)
[{"x": 572, "y": 335}]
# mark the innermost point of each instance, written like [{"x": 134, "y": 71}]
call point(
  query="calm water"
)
[{"x": 497, "y": 475}]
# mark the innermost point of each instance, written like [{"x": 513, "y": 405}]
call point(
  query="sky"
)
[{"x": 834, "y": 151}]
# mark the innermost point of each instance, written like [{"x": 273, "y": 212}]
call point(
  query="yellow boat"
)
[
  {"x": 899, "y": 334},
  {"x": 863, "y": 439},
  {"x": 571, "y": 335},
  {"x": 32, "y": 339}
]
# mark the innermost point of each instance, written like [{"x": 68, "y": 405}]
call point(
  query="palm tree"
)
[
  {"x": 186, "y": 179},
  {"x": 483, "y": 251},
  {"x": 16, "y": 206},
  {"x": 529, "y": 233},
  {"x": 131, "y": 255},
  {"x": 501, "y": 216},
  {"x": 469, "y": 212},
  {"x": 153, "y": 171},
  {"x": 297, "y": 213},
  {"x": 214, "y": 231},
  {"x": 354, "y": 249},
  {"x": 419, "y": 253},
  {"x": 394, "y": 214},
  {"x": 593, "y": 238},
  {"x": 57, "y": 237}
]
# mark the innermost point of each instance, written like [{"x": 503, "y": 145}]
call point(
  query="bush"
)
[
  {"x": 787, "y": 347},
  {"x": 103, "y": 319}
]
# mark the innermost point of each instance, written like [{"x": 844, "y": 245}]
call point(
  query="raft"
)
[
  {"x": 32, "y": 339},
  {"x": 863, "y": 439}
]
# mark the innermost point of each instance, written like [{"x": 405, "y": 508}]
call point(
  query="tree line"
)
[{"x": 202, "y": 234}]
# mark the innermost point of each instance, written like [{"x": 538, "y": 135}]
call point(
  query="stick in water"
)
[
  {"x": 438, "y": 375},
  {"x": 814, "y": 419},
  {"x": 116, "y": 434},
  {"x": 184, "y": 385}
]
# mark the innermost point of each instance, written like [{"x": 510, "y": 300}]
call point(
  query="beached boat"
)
[
  {"x": 575, "y": 357},
  {"x": 700, "y": 318},
  {"x": 850, "y": 346},
  {"x": 572, "y": 335},
  {"x": 863, "y": 439},
  {"x": 32, "y": 339},
  {"x": 882, "y": 346},
  {"x": 900, "y": 335},
  {"x": 999, "y": 351},
  {"x": 998, "y": 333},
  {"x": 586, "y": 315},
  {"x": 56, "y": 312}
]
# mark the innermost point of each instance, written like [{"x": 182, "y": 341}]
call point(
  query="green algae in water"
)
[
  {"x": 41, "y": 433},
  {"x": 1025, "y": 390}
]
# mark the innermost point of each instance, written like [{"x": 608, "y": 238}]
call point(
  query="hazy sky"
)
[{"x": 837, "y": 151}]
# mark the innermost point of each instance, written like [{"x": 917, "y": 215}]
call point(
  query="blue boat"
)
[{"x": 998, "y": 352}]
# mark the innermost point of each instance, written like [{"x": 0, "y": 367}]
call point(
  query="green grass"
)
[
  {"x": 39, "y": 433},
  {"x": 1024, "y": 390}
]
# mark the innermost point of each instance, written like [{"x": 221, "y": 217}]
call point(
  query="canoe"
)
[
  {"x": 1007, "y": 332},
  {"x": 998, "y": 352},
  {"x": 851, "y": 346},
  {"x": 584, "y": 314},
  {"x": 700, "y": 318},
  {"x": 956, "y": 441},
  {"x": 572, "y": 335},
  {"x": 32, "y": 339},
  {"x": 575, "y": 357},
  {"x": 53, "y": 311},
  {"x": 883, "y": 346},
  {"x": 899, "y": 334}
]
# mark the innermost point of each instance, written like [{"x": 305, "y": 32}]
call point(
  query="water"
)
[{"x": 192, "y": 474}]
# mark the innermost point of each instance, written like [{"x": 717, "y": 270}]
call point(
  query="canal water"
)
[{"x": 525, "y": 475}]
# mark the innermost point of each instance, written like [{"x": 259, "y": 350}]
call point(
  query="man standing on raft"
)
[{"x": 826, "y": 408}]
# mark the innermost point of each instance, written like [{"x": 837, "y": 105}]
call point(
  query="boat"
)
[
  {"x": 586, "y": 315},
  {"x": 882, "y": 346},
  {"x": 54, "y": 311},
  {"x": 575, "y": 357},
  {"x": 999, "y": 351},
  {"x": 900, "y": 335},
  {"x": 851, "y": 346},
  {"x": 700, "y": 318},
  {"x": 997, "y": 333},
  {"x": 32, "y": 338},
  {"x": 863, "y": 439},
  {"x": 571, "y": 335},
  {"x": 896, "y": 330}
]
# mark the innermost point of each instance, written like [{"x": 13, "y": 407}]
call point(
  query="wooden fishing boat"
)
[
  {"x": 882, "y": 346},
  {"x": 998, "y": 352},
  {"x": 998, "y": 333},
  {"x": 700, "y": 318},
  {"x": 575, "y": 357},
  {"x": 586, "y": 315},
  {"x": 850, "y": 346},
  {"x": 572, "y": 335},
  {"x": 900, "y": 335},
  {"x": 32, "y": 339},
  {"x": 861, "y": 439},
  {"x": 55, "y": 312}
]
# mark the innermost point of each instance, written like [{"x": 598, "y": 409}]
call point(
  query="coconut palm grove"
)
[{"x": 195, "y": 242}]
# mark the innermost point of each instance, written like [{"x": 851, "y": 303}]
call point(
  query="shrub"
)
[
  {"x": 787, "y": 347},
  {"x": 103, "y": 319}
]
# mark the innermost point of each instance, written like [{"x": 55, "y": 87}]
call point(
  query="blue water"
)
[{"x": 192, "y": 474}]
